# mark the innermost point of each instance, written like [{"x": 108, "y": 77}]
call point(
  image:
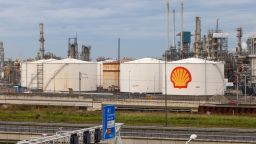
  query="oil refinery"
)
[
  {"x": 210, "y": 67},
  {"x": 201, "y": 86}
]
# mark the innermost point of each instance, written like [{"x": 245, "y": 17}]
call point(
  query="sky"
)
[{"x": 140, "y": 24}]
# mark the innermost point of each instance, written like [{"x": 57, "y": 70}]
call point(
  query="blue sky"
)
[{"x": 141, "y": 24}]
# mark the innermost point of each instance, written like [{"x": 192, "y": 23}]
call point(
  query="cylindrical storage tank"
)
[
  {"x": 194, "y": 76},
  {"x": 141, "y": 76},
  {"x": 70, "y": 74},
  {"x": 100, "y": 72},
  {"x": 29, "y": 73}
]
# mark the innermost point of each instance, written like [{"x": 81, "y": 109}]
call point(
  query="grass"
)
[{"x": 73, "y": 115}]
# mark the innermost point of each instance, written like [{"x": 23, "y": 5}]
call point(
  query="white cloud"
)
[
  {"x": 99, "y": 22},
  {"x": 75, "y": 13}
]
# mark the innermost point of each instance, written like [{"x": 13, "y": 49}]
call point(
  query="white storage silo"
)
[
  {"x": 62, "y": 75},
  {"x": 141, "y": 76},
  {"x": 29, "y": 72},
  {"x": 194, "y": 76}
]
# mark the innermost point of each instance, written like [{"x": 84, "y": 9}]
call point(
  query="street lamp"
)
[
  {"x": 192, "y": 137},
  {"x": 245, "y": 89},
  {"x": 129, "y": 84}
]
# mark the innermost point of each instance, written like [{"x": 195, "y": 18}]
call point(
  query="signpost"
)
[{"x": 108, "y": 123}]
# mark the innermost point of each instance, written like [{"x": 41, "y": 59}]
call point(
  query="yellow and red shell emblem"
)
[{"x": 180, "y": 77}]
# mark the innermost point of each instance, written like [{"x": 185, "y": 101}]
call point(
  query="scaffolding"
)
[{"x": 216, "y": 45}]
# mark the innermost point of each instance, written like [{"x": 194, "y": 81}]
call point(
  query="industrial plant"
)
[
  {"x": 204, "y": 67},
  {"x": 200, "y": 77}
]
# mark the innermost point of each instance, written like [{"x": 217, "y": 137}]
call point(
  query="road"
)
[{"x": 204, "y": 134}]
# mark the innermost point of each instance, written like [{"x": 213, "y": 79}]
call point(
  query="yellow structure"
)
[{"x": 111, "y": 73}]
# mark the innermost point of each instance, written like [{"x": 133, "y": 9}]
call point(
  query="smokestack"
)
[
  {"x": 40, "y": 54},
  {"x": 239, "y": 40},
  {"x": 174, "y": 30},
  {"x": 181, "y": 26},
  {"x": 1, "y": 58},
  {"x": 168, "y": 24},
  {"x": 197, "y": 44},
  {"x": 217, "y": 26}
]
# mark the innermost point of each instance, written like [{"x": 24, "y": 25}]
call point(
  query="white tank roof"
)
[
  {"x": 146, "y": 60},
  {"x": 69, "y": 60},
  {"x": 193, "y": 60},
  {"x": 44, "y": 61}
]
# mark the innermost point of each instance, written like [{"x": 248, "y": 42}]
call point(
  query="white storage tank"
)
[
  {"x": 29, "y": 72},
  {"x": 194, "y": 76},
  {"x": 141, "y": 76},
  {"x": 62, "y": 75}
]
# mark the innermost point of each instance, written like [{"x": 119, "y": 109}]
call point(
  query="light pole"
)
[
  {"x": 165, "y": 61},
  {"x": 80, "y": 83},
  {"x": 192, "y": 137},
  {"x": 245, "y": 88},
  {"x": 237, "y": 86},
  {"x": 129, "y": 84}
]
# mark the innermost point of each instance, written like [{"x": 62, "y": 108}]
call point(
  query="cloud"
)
[
  {"x": 140, "y": 24},
  {"x": 78, "y": 13}
]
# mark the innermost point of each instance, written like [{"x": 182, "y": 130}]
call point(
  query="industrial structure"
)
[
  {"x": 11, "y": 72},
  {"x": 85, "y": 53},
  {"x": 250, "y": 67},
  {"x": 209, "y": 50},
  {"x": 59, "y": 75},
  {"x": 40, "y": 54},
  {"x": 194, "y": 76},
  {"x": 141, "y": 76},
  {"x": 1, "y": 58},
  {"x": 73, "y": 48},
  {"x": 198, "y": 42},
  {"x": 108, "y": 74}
]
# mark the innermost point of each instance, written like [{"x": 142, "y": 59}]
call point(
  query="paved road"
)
[{"x": 213, "y": 134}]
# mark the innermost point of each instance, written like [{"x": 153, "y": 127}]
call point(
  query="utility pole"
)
[
  {"x": 245, "y": 88},
  {"x": 118, "y": 64},
  {"x": 174, "y": 30},
  {"x": 237, "y": 86},
  {"x": 80, "y": 75},
  {"x": 165, "y": 61}
]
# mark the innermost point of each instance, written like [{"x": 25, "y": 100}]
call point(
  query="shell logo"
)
[{"x": 180, "y": 77}]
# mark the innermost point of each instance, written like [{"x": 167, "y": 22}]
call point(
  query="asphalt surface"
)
[{"x": 204, "y": 134}]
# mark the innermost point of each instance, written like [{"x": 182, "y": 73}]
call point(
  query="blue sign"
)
[{"x": 108, "y": 123}]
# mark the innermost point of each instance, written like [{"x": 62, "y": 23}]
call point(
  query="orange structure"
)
[{"x": 180, "y": 77}]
